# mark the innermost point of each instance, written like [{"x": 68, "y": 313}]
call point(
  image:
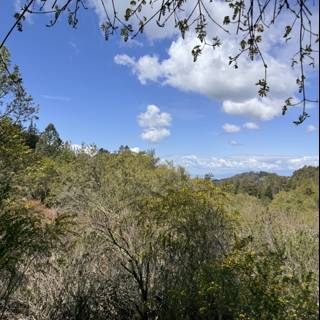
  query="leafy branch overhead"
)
[{"x": 250, "y": 20}]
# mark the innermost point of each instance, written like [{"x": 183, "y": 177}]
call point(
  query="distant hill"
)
[
  {"x": 265, "y": 185},
  {"x": 305, "y": 174}
]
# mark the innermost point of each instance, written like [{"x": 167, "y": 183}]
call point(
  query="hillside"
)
[
  {"x": 264, "y": 185},
  {"x": 118, "y": 235}
]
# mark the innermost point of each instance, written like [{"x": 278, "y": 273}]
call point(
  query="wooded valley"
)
[{"x": 92, "y": 234}]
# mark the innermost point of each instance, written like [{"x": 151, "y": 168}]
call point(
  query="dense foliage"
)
[
  {"x": 264, "y": 185},
  {"x": 92, "y": 234}
]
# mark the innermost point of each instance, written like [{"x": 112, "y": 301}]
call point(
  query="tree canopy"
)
[
  {"x": 15, "y": 102},
  {"x": 49, "y": 141}
]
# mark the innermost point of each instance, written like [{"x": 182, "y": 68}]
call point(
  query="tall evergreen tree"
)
[
  {"x": 15, "y": 102},
  {"x": 31, "y": 136},
  {"x": 49, "y": 142}
]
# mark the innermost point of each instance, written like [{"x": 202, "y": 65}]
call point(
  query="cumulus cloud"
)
[
  {"x": 213, "y": 77},
  {"x": 251, "y": 125},
  {"x": 242, "y": 163},
  {"x": 311, "y": 128},
  {"x": 155, "y": 124},
  {"x": 153, "y": 118},
  {"x": 262, "y": 109},
  {"x": 155, "y": 134},
  {"x": 231, "y": 128}
]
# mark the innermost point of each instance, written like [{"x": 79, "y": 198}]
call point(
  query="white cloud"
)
[
  {"x": 245, "y": 162},
  {"x": 251, "y": 125},
  {"x": 242, "y": 163},
  {"x": 123, "y": 60},
  {"x": 135, "y": 149},
  {"x": 146, "y": 68},
  {"x": 299, "y": 162},
  {"x": 153, "y": 118},
  {"x": 234, "y": 143},
  {"x": 155, "y": 134},
  {"x": 311, "y": 128},
  {"x": 212, "y": 76},
  {"x": 230, "y": 128},
  {"x": 265, "y": 109},
  {"x": 155, "y": 124}
]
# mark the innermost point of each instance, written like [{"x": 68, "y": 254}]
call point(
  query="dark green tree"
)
[
  {"x": 268, "y": 192},
  {"x": 49, "y": 142},
  {"x": 15, "y": 103},
  {"x": 31, "y": 136}
]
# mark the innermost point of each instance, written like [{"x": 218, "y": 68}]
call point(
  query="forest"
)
[{"x": 86, "y": 233}]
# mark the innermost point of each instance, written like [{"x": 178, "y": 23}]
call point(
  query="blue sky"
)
[{"x": 94, "y": 92}]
